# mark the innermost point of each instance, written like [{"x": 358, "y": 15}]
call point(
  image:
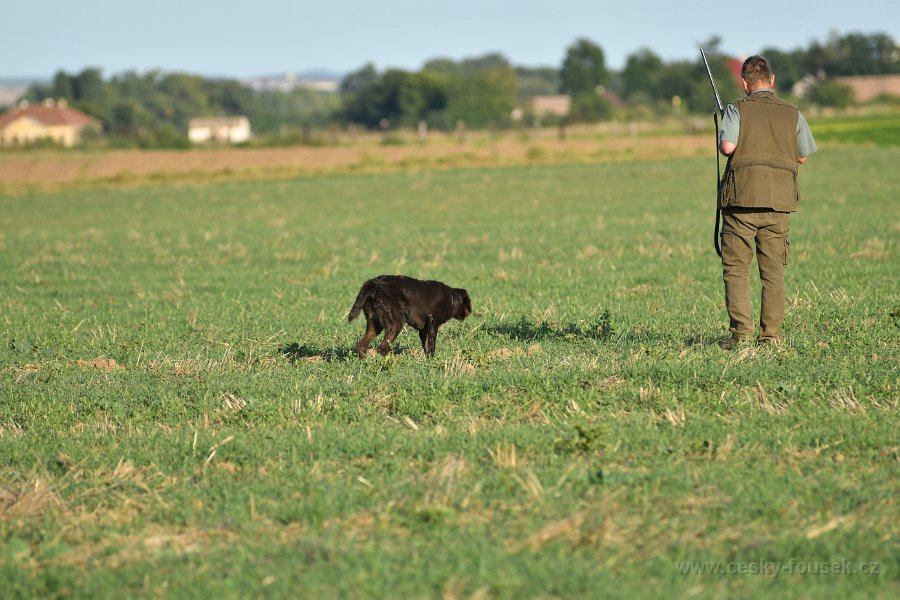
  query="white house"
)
[{"x": 223, "y": 130}]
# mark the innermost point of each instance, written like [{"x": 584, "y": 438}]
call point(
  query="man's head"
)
[{"x": 756, "y": 74}]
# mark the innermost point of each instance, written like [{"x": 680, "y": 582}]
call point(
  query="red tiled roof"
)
[{"x": 48, "y": 115}]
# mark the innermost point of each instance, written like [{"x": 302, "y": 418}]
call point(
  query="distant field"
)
[
  {"x": 53, "y": 170},
  {"x": 882, "y": 130},
  {"x": 181, "y": 414}
]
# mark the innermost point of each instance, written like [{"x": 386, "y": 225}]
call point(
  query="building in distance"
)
[
  {"x": 220, "y": 130},
  {"x": 50, "y": 120}
]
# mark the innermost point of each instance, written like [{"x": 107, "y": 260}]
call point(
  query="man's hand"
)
[{"x": 727, "y": 148}]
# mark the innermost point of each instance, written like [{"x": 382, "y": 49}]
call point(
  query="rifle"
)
[
  {"x": 712, "y": 82},
  {"x": 721, "y": 112}
]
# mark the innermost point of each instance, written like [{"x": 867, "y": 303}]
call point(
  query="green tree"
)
[
  {"x": 483, "y": 97},
  {"x": 188, "y": 95},
  {"x": 62, "y": 86},
  {"x": 360, "y": 80},
  {"x": 479, "y": 91},
  {"x": 583, "y": 75},
  {"x": 360, "y": 98},
  {"x": 538, "y": 81},
  {"x": 230, "y": 97},
  {"x": 678, "y": 79},
  {"x": 491, "y": 62},
  {"x": 583, "y": 69},
  {"x": 590, "y": 108},
  {"x": 398, "y": 97},
  {"x": 431, "y": 93},
  {"x": 831, "y": 93},
  {"x": 640, "y": 77},
  {"x": 153, "y": 109},
  {"x": 853, "y": 54},
  {"x": 860, "y": 54},
  {"x": 127, "y": 118},
  {"x": 397, "y": 93},
  {"x": 91, "y": 92},
  {"x": 134, "y": 85},
  {"x": 442, "y": 65},
  {"x": 279, "y": 111}
]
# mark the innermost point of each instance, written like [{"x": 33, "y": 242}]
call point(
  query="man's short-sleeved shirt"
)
[{"x": 731, "y": 128}]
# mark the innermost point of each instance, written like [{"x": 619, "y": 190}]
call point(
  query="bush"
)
[
  {"x": 832, "y": 94},
  {"x": 590, "y": 108}
]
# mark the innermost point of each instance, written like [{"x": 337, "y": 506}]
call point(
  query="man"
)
[{"x": 766, "y": 139}]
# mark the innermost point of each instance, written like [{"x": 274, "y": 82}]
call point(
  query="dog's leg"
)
[
  {"x": 432, "y": 338},
  {"x": 372, "y": 331},
  {"x": 423, "y": 335},
  {"x": 428, "y": 334},
  {"x": 390, "y": 334}
]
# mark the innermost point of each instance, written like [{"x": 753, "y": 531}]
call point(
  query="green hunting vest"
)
[{"x": 762, "y": 171}]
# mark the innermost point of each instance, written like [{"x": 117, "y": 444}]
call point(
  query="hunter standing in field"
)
[{"x": 766, "y": 139}]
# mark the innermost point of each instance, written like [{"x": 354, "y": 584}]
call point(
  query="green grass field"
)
[
  {"x": 883, "y": 130},
  {"x": 181, "y": 413}
]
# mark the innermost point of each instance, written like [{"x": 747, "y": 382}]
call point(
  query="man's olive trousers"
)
[{"x": 767, "y": 230}]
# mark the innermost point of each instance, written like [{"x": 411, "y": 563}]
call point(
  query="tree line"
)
[{"x": 153, "y": 109}]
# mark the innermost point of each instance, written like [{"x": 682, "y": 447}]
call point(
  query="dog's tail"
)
[{"x": 358, "y": 305}]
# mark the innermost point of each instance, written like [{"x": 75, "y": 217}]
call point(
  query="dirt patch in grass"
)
[
  {"x": 29, "y": 498},
  {"x": 104, "y": 364}
]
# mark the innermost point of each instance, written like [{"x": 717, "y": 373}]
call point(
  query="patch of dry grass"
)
[{"x": 30, "y": 171}]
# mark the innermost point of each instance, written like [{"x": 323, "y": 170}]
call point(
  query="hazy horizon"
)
[{"x": 272, "y": 37}]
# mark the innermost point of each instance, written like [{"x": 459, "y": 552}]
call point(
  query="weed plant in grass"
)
[{"x": 181, "y": 412}]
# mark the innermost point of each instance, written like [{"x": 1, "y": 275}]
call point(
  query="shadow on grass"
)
[
  {"x": 306, "y": 353},
  {"x": 599, "y": 329}
]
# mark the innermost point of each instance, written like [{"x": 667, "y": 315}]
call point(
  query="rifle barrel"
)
[{"x": 712, "y": 82}]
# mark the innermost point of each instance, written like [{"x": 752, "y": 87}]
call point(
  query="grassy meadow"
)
[{"x": 182, "y": 414}]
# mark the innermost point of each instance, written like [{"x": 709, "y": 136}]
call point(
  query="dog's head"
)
[{"x": 462, "y": 304}]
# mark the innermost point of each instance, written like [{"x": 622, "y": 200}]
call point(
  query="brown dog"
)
[{"x": 391, "y": 301}]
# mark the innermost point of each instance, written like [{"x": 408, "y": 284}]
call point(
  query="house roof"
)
[{"x": 48, "y": 114}]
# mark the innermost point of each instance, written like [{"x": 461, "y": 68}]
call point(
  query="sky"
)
[{"x": 265, "y": 37}]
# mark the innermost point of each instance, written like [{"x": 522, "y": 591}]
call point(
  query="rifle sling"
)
[{"x": 716, "y": 240}]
